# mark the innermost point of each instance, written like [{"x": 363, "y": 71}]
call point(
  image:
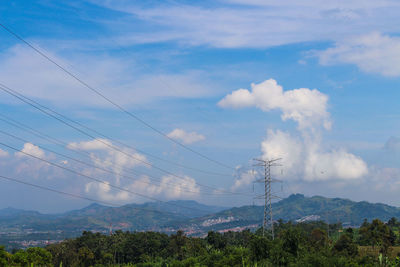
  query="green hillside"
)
[{"x": 17, "y": 225}]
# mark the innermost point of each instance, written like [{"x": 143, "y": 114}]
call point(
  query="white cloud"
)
[
  {"x": 245, "y": 178},
  {"x": 109, "y": 156},
  {"x": 31, "y": 149},
  {"x": 104, "y": 192},
  {"x": 25, "y": 163},
  {"x": 3, "y": 153},
  {"x": 303, "y": 157},
  {"x": 305, "y": 106},
  {"x": 373, "y": 53},
  {"x": 186, "y": 137},
  {"x": 334, "y": 164},
  {"x": 111, "y": 75},
  {"x": 96, "y": 144},
  {"x": 241, "y": 23},
  {"x": 172, "y": 187},
  {"x": 169, "y": 187},
  {"x": 280, "y": 144}
]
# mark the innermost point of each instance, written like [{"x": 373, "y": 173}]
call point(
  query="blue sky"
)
[{"x": 319, "y": 88}]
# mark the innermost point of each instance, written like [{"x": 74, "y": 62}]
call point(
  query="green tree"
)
[
  {"x": 377, "y": 234},
  {"x": 345, "y": 246},
  {"x": 4, "y": 257},
  {"x": 20, "y": 258},
  {"x": 217, "y": 240},
  {"x": 177, "y": 242},
  {"x": 86, "y": 256},
  {"x": 259, "y": 248},
  {"x": 39, "y": 256},
  {"x": 319, "y": 238}
]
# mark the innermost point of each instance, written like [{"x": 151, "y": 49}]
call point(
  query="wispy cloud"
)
[
  {"x": 373, "y": 53},
  {"x": 239, "y": 23},
  {"x": 115, "y": 77}
]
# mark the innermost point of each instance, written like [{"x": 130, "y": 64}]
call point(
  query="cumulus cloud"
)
[
  {"x": 103, "y": 155},
  {"x": 245, "y": 178},
  {"x": 105, "y": 192},
  {"x": 373, "y": 53},
  {"x": 186, "y": 137},
  {"x": 31, "y": 149},
  {"x": 30, "y": 166},
  {"x": 170, "y": 187},
  {"x": 3, "y": 153},
  {"x": 305, "y": 106},
  {"x": 279, "y": 144},
  {"x": 303, "y": 156}
]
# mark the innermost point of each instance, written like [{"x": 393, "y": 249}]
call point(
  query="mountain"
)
[
  {"x": 298, "y": 208},
  {"x": 192, "y": 217},
  {"x": 7, "y": 212},
  {"x": 333, "y": 209},
  {"x": 96, "y": 217}
]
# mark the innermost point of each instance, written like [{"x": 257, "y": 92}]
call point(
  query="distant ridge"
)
[
  {"x": 196, "y": 220},
  {"x": 297, "y": 207}
]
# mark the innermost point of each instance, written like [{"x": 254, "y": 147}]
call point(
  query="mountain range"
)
[{"x": 192, "y": 217}]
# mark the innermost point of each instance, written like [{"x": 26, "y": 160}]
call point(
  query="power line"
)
[
  {"x": 97, "y": 167},
  {"x": 62, "y": 144},
  {"x": 111, "y": 101},
  {"x": 94, "y": 179},
  {"x": 114, "y": 140},
  {"x": 78, "y": 196},
  {"x": 94, "y": 166},
  {"x": 29, "y": 101}
]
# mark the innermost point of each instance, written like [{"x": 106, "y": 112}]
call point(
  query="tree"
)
[
  {"x": 177, "y": 242},
  {"x": 4, "y": 257},
  {"x": 39, "y": 256},
  {"x": 393, "y": 222},
  {"x": 86, "y": 256},
  {"x": 292, "y": 239},
  {"x": 20, "y": 258},
  {"x": 318, "y": 238},
  {"x": 377, "y": 234},
  {"x": 217, "y": 240},
  {"x": 345, "y": 246},
  {"x": 259, "y": 248}
]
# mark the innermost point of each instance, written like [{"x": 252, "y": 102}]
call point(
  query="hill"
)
[
  {"x": 297, "y": 208},
  {"x": 192, "y": 217}
]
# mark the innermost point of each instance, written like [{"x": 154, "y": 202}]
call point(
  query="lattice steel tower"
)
[{"x": 268, "y": 194}]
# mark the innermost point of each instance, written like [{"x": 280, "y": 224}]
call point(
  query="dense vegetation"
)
[
  {"x": 304, "y": 244},
  {"x": 18, "y": 226}
]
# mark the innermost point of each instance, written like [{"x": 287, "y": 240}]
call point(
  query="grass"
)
[{"x": 374, "y": 251}]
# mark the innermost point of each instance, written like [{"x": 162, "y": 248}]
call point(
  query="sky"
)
[{"x": 216, "y": 83}]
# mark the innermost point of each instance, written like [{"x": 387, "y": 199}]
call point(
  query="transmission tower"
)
[{"x": 268, "y": 194}]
